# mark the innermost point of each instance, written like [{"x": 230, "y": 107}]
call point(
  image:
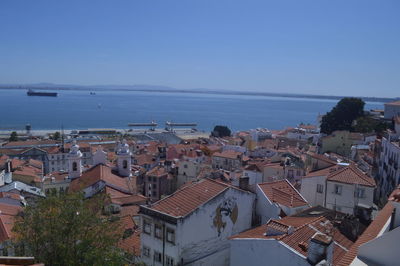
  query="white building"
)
[
  {"x": 392, "y": 109},
  {"x": 389, "y": 164},
  {"x": 254, "y": 174},
  {"x": 278, "y": 199},
  {"x": 342, "y": 188},
  {"x": 124, "y": 159},
  {"x": 260, "y": 134},
  {"x": 74, "y": 162},
  {"x": 227, "y": 160},
  {"x": 192, "y": 226}
]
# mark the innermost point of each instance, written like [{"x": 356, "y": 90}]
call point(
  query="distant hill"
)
[{"x": 158, "y": 88}]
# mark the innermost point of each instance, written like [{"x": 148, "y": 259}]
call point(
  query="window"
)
[
  {"x": 158, "y": 231},
  {"x": 157, "y": 256},
  {"x": 74, "y": 166},
  {"x": 320, "y": 188},
  {"x": 125, "y": 164},
  {"x": 185, "y": 166},
  {"x": 169, "y": 261},
  {"x": 154, "y": 186},
  {"x": 360, "y": 193},
  {"x": 146, "y": 251},
  {"x": 338, "y": 189},
  {"x": 147, "y": 227},
  {"x": 171, "y": 235}
]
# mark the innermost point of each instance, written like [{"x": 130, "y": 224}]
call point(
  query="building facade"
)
[{"x": 192, "y": 226}]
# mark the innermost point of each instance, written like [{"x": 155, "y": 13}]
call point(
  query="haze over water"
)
[{"x": 115, "y": 109}]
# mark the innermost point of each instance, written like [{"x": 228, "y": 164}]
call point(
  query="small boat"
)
[
  {"x": 92, "y": 93},
  {"x": 41, "y": 93}
]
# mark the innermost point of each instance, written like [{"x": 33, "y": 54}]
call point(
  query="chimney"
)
[
  {"x": 320, "y": 248},
  {"x": 244, "y": 182}
]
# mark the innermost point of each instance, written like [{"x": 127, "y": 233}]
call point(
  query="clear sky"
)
[{"x": 340, "y": 47}]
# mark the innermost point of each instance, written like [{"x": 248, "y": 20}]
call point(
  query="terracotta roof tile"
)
[
  {"x": 259, "y": 232},
  {"x": 321, "y": 157},
  {"x": 351, "y": 175},
  {"x": 130, "y": 244},
  {"x": 157, "y": 171},
  {"x": 228, "y": 154},
  {"x": 189, "y": 198},
  {"x": 324, "y": 172},
  {"x": 97, "y": 173},
  {"x": 284, "y": 193}
]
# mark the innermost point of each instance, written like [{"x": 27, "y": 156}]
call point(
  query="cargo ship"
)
[{"x": 40, "y": 93}]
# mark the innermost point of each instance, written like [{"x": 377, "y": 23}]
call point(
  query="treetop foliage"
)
[
  {"x": 221, "y": 131},
  {"x": 69, "y": 230},
  {"x": 341, "y": 116}
]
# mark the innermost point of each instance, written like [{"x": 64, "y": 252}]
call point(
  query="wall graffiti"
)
[{"x": 226, "y": 215}]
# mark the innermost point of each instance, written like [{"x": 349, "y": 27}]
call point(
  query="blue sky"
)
[{"x": 340, "y": 47}]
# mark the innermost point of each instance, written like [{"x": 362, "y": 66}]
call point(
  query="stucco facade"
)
[
  {"x": 263, "y": 252},
  {"x": 200, "y": 235},
  {"x": 392, "y": 109}
]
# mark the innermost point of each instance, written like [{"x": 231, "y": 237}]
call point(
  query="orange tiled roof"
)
[
  {"x": 351, "y": 175},
  {"x": 6, "y": 225},
  {"x": 30, "y": 143},
  {"x": 130, "y": 244},
  {"x": 97, "y": 173},
  {"x": 228, "y": 154},
  {"x": 7, "y": 216},
  {"x": 131, "y": 210},
  {"x": 282, "y": 192},
  {"x": 259, "y": 232},
  {"x": 3, "y": 159},
  {"x": 321, "y": 157},
  {"x": 324, "y": 172},
  {"x": 157, "y": 171},
  {"x": 189, "y": 198}
]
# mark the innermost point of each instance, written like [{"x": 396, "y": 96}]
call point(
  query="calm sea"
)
[{"x": 115, "y": 109}]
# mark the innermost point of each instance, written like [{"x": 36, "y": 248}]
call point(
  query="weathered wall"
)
[
  {"x": 265, "y": 208},
  {"x": 346, "y": 201},
  {"x": 206, "y": 230},
  {"x": 262, "y": 252},
  {"x": 309, "y": 190}
]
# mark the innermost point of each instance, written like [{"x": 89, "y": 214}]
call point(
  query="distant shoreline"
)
[{"x": 201, "y": 91}]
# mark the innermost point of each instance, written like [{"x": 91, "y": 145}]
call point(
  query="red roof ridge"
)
[
  {"x": 318, "y": 218},
  {"x": 354, "y": 170},
  {"x": 177, "y": 192}
]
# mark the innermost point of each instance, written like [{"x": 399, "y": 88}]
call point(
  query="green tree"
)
[
  {"x": 56, "y": 136},
  {"x": 341, "y": 116},
  {"x": 68, "y": 230},
  {"x": 221, "y": 131},
  {"x": 13, "y": 136},
  {"x": 367, "y": 124}
]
